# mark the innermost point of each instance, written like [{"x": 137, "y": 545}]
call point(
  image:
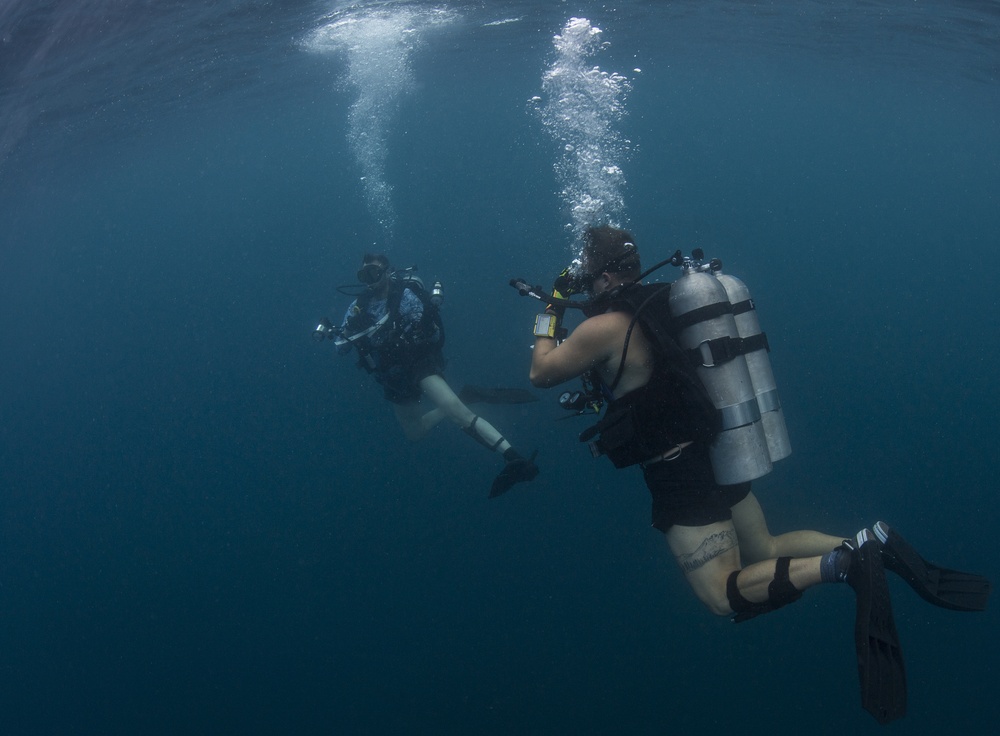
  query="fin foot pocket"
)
[{"x": 519, "y": 470}]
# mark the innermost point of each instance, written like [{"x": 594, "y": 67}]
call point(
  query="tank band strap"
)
[
  {"x": 723, "y": 349},
  {"x": 702, "y": 314}
]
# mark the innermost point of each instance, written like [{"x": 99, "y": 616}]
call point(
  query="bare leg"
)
[
  {"x": 708, "y": 555},
  {"x": 450, "y": 406},
  {"x": 416, "y": 422},
  {"x": 756, "y": 542}
]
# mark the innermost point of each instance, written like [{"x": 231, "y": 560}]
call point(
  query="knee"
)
[
  {"x": 715, "y": 598},
  {"x": 457, "y": 412},
  {"x": 718, "y": 605},
  {"x": 759, "y": 554},
  {"x": 758, "y": 549}
]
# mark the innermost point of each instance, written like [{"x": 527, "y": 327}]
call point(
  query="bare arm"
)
[{"x": 594, "y": 343}]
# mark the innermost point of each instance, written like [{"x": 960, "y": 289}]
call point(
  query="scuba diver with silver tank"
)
[
  {"x": 690, "y": 399},
  {"x": 395, "y": 327}
]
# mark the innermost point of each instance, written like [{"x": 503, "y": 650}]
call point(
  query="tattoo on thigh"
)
[{"x": 711, "y": 547}]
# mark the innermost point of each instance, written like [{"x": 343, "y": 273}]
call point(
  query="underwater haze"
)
[{"x": 211, "y": 523}]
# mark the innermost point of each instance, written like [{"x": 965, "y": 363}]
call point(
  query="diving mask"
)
[{"x": 371, "y": 273}]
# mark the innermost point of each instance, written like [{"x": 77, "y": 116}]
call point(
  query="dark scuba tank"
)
[
  {"x": 699, "y": 303},
  {"x": 759, "y": 364}
]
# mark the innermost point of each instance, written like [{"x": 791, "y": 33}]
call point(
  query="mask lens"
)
[{"x": 371, "y": 273}]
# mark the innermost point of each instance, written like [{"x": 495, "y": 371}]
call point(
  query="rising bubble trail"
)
[
  {"x": 580, "y": 108},
  {"x": 378, "y": 43}
]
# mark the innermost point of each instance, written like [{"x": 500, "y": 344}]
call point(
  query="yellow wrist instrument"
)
[{"x": 546, "y": 325}]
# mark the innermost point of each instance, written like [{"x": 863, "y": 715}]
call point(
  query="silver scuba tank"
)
[
  {"x": 759, "y": 364},
  {"x": 740, "y": 452},
  {"x": 407, "y": 275}
]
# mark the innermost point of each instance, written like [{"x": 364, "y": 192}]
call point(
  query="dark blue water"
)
[{"x": 208, "y": 524}]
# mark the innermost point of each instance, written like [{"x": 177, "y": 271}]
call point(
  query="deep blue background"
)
[{"x": 209, "y": 524}]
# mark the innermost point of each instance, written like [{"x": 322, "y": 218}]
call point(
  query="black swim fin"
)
[
  {"x": 880, "y": 656},
  {"x": 959, "y": 591},
  {"x": 519, "y": 470},
  {"x": 478, "y": 395}
]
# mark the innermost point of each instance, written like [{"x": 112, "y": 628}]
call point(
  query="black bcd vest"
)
[
  {"x": 395, "y": 345},
  {"x": 673, "y": 407}
]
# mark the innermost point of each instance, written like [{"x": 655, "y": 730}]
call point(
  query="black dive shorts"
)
[
  {"x": 401, "y": 382},
  {"x": 684, "y": 491}
]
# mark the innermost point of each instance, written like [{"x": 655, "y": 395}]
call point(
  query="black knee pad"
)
[
  {"x": 737, "y": 602},
  {"x": 780, "y": 593}
]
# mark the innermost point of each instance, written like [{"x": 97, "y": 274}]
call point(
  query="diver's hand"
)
[{"x": 563, "y": 287}]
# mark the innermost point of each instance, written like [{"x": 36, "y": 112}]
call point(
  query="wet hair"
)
[
  {"x": 378, "y": 258},
  {"x": 610, "y": 249}
]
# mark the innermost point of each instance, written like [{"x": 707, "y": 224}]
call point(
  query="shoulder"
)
[
  {"x": 610, "y": 324},
  {"x": 600, "y": 336},
  {"x": 603, "y": 336}
]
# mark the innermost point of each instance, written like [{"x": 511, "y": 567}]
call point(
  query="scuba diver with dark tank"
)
[
  {"x": 683, "y": 371},
  {"x": 395, "y": 327}
]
